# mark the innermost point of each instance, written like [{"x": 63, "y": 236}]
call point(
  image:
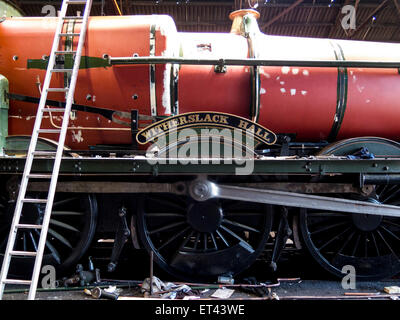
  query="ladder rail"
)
[
  {"x": 60, "y": 149},
  {"x": 58, "y": 154},
  {"x": 29, "y": 159}
]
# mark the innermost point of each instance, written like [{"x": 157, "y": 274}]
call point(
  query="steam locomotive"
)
[{"x": 327, "y": 179}]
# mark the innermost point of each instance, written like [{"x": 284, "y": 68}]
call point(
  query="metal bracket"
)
[
  {"x": 220, "y": 67},
  {"x": 134, "y": 127},
  {"x": 284, "y": 232},
  {"x": 121, "y": 236}
]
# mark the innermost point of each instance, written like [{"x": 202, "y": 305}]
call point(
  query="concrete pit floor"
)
[{"x": 302, "y": 280}]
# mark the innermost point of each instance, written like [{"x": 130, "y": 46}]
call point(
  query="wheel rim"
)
[
  {"x": 200, "y": 241},
  {"x": 71, "y": 230},
  {"x": 369, "y": 243}
]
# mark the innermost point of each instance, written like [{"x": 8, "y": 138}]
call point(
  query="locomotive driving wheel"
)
[
  {"x": 203, "y": 240},
  {"x": 369, "y": 243},
  {"x": 71, "y": 229}
]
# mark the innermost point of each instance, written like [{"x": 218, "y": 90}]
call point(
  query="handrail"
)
[{"x": 253, "y": 62}]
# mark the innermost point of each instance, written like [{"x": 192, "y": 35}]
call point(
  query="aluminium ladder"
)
[{"x": 69, "y": 91}]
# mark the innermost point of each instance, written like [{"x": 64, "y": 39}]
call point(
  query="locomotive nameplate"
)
[{"x": 205, "y": 120}]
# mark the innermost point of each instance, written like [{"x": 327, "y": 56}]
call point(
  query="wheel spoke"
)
[
  {"x": 375, "y": 244},
  {"x": 34, "y": 240},
  {"x": 383, "y": 191},
  {"x": 391, "y": 195},
  {"x": 67, "y": 213},
  {"x": 63, "y": 225},
  {"x": 24, "y": 244},
  {"x": 240, "y": 225},
  {"x": 167, "y": 227},
  {"x": 54, "y": 252},
  {"x": 60, "y": 238},
  {"x": 185, "y": 241},
  {"x": 328, "y": 227},
  {"x": 214, "y": 241},
  {"x": 334, "y": 238},
  {"x": 197, "y": 240},
  {"x": 243, "y": 214},
  {"x": 222, "y": 238},
  {"x": 345, "y": 243},
  {"x": 64, "y": 201},
  {"x": 173, "y": 238},
  {"x": 390, "y": 232},
  {"x": 233, "y": 234},
  {"x": 356, "y": 245},
  {"x": 387, "y": 244},
  {"x": 385, "y": 220},
  {"x": 160, "y": 214}
]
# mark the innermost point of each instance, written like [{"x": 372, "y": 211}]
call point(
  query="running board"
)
[{"x": 202, "y": 190}]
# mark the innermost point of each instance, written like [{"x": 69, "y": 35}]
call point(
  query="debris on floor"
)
[
  {"x": 98, "y": 293},
  {"x": 392, "y": 289},
  {"x": 223, "y": 293}
]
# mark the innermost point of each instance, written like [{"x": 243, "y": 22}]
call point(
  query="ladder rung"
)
[
  {"x": 61, "y": 70},
  {"x": 15, "y": 281},
  {"x": 39, "y": 176},
  {"x": 69, "y": 34},
  {"x": 28, "y": 226},
  {"x": 57, "y": 89},
  {"x": 73, "y": 18},
  {"x": 23, "y": 253},
  {"x": 27, "y": 200},
  {"x": 44, "y": 153},
  {"x": 49, "y": 130},
  {"x": 76, "y": 1},
  {"x": 53, "y": 110},
  {"x": 65, "y": 52}
]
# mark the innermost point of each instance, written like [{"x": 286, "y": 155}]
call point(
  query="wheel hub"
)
[
  {"x": 205, "y": 217},
  {"x": 366, "y": 222}
]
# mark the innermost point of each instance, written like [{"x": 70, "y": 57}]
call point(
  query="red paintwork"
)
[{"x": 293, "y": 100}]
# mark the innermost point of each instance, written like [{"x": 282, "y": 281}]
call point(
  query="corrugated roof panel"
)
[{"x": 308, "y": 20}]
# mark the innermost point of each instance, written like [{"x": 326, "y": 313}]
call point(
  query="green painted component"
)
[
  {"x": 20, "y": 144},
  {"x": 342, "y": 89},
  {"x": 130, "y": 166},
  {"x": 379, "y": 147},
  {"x": 86, "y": 63},
  {"x": 9, "y": 10},
  {"x": 3, "y": 113}
]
